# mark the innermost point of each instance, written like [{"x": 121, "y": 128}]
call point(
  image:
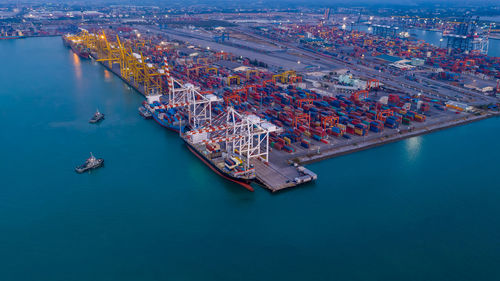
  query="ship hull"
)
[
  {"x": 83, "y": 169},
  {"x": 165, "y": 124},
  {"x": 243, "y": 182},
  {"x": 96, "y": 120},
  {"x": 76, "y": 49},
  {"x": 80, "y": 53},
  {"x": 66, "y": 42},
  {"x": 145, "y": 113}
]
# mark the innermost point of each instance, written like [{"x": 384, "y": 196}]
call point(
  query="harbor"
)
[{"x": 264, "y": 124}]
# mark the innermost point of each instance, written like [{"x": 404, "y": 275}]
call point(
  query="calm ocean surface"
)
[{"x": 427, "y": 208}]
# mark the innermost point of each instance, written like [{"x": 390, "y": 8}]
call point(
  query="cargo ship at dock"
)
[
  {"x": 169, "y": 118},
  {"x": 227, "y": 165},
  {"x": 76, "y": 47}
]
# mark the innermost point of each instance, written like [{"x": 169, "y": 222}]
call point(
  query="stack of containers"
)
[
  {"x": 350, "y": 128},
  {"x": 360, "y": 129},
  {"x": 335, "y": 131},
  {"x": 376, "y": 126},
  {"x": 305, "y": 143},
  {"x": 390, "y": 122}
]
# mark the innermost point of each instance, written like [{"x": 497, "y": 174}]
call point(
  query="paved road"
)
[{"x": 275, "y": 60}]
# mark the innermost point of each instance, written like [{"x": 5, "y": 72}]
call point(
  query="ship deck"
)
[{"x": 218, "y": 161}]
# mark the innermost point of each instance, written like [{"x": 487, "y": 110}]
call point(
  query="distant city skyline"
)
[{"x": 315, "y": 3}]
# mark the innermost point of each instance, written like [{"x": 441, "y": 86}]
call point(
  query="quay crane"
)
[
  {"x": 245, "y": 135},
  {"x": 133, "y": 66}
]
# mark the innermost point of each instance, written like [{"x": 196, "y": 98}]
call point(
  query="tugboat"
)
[
  {"x": 91, "y": 163},
  {"x": 97, "y": 117},
  {"x": 144, "y": 112}
]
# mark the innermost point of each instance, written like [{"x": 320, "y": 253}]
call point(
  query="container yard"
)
[{"x": 256, "y": 104}]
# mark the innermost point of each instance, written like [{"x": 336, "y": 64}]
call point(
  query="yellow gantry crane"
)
[
  {"x": 250, "y": 71},
  {"x": 106, "y": 51},
  {"x": 133, "y": 66},
  {"x": 285, "y": 77}
]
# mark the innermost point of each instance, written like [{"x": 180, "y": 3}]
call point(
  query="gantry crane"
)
[
  {"x": 245, "y": 135},
  {"x": 372, "y": 84},
  {"x": 329, "y": 121},
  {"x": 359, "y": 95},
  {"x": 133, "y": 66},
  {"x": 301, "y": 119}
]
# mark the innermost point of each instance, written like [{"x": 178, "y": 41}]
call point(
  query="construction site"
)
[{"x": 256, "y": 104}]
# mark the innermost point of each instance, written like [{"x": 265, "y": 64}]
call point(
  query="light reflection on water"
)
[
  {"x": 413, "y": 147},
  {"x": 107, "y": 75},
  {"x": 78, "y": 67}
]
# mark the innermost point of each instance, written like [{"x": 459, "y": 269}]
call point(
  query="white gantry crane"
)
[
  {"x": 244, "y": 135},
  {"x": 199, "y": 106}
]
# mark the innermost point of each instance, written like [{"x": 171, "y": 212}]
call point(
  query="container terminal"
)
[{"x": 255, "y": 104}]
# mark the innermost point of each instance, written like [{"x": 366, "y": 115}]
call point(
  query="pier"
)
[
  {"x": 347, "y": 149},
  {"x": 275, "y": 178}
]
